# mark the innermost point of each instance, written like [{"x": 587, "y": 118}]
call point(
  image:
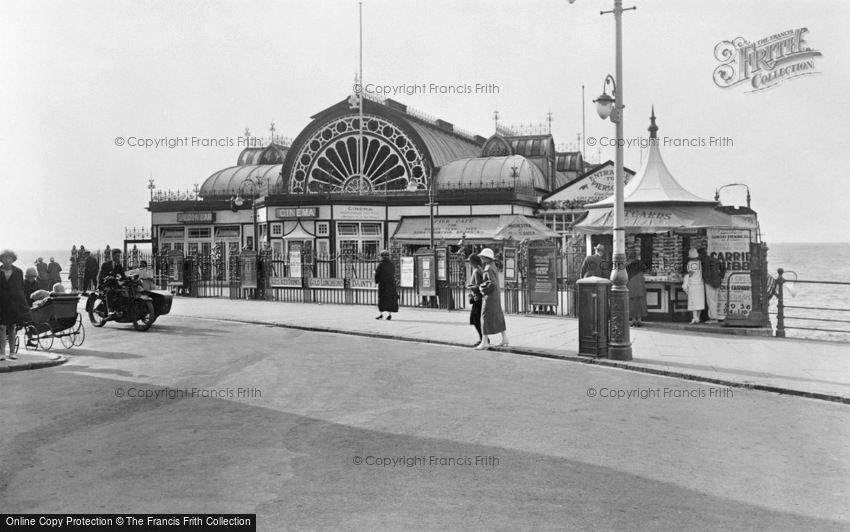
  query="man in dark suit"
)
[
  {"x": 115, "y": 269},
  {"x": 713, "y": 272},
  {"x": 596, "y": 265},
  {"x": 112, "y": 267}
]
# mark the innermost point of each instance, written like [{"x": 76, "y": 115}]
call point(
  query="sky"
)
[{"x": 79, "y": 74}]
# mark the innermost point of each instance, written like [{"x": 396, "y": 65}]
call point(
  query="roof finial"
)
[{"x": 653, "y": 129}]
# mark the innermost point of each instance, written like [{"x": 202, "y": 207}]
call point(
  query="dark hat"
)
[{"x": 473, "y": 259}]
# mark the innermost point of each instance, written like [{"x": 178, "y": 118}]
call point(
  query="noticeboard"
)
[
  {"x": 542, "y": 275},
  {"x": 510, "y": 264},
  {"x": 732, "y": 248},
  {"x": 407, "y": 272},
  {"x": 248, "y": 269},
  {"x": 441, "y": 264},
  {"x": 427, "y": 278},
  {"x": 295, "y": 263}
]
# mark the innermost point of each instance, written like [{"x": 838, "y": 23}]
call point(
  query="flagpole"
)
[{"x": 360, "y": 111}]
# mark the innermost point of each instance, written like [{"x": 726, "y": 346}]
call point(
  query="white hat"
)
[
  {"x": 487, "y": 253},
  {"x": 692, "y": 253}
]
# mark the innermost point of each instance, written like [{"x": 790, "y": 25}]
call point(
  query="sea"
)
[{"x": 803, "y": 261}]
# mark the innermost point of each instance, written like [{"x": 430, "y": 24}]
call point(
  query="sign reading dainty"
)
[{"x": 766, "y": 62}]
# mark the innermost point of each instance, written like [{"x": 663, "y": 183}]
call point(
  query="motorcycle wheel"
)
[
  {"x": 143, "y": 315},
  {"x": 97, "y": 314}
]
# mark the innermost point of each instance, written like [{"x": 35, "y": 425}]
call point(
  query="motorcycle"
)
[{"x": 127, "y": 302}]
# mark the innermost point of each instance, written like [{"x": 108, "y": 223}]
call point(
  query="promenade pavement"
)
[{"x": 808, "y": 368}]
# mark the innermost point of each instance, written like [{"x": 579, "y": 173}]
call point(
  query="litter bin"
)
[{"x": 593, "y": 316}]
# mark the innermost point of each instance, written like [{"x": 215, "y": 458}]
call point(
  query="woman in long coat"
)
[
  {"x": 476, "y": 279},
  {"x": 387, "y": 293},
  {"x": 492, "y": 316},
  {"x": 13, "y": 303},
  {"x": 694, "y": 285}
]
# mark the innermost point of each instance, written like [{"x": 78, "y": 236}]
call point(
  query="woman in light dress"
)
[{"x": 694, "y": 286}]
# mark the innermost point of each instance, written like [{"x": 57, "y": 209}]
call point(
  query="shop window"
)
[
  {"x": 347, "y": 229},
  {"x": 227, "y": 232},
  {"x": 200, "y": 232},
  {"x": 193, "y": 248},
  {"x": 646, "y": 243},
  {"x": 348, "y": 247},
  {"x": 370, "y": 247},
  {"x": 172, "y": 232},
  {"x": 371, "y": 229}
]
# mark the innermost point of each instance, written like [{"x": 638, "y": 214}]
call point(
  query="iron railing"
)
[{"x": 782, "y": 315}]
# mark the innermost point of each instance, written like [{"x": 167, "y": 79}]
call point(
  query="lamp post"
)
[
  {"x": 237, "y": 202},
  {"x": 717, "y": 191},
  {"x": 620, "y": 347}
]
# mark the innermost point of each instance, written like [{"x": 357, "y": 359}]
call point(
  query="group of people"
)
[
  {"x": 484, "y": 294},
  {"x": 90, "y": 268},
  {"x": 703, "y": 277}
]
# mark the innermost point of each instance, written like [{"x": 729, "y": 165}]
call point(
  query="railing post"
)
[{"x": 780, "y": 305}]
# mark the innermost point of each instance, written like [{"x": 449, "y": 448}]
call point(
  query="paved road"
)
[{"x": 302, "y": 421}]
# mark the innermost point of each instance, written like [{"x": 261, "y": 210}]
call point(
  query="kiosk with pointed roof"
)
[{"x": 663, "y": 220}]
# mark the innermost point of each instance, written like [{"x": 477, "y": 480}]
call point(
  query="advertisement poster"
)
[
  {"x": 732, "y": 248},
  {"x": 407, "y": 272},
  {"x": 510, "y": 264},
  {"x": 427, "y": 281},
  {"x": 295, "y": 263},
  {"x": 441, "y": 265},
  {"x": 542, "y": 278}
]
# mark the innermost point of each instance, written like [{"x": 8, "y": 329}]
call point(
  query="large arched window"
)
[{"x": 328, "y": 161}]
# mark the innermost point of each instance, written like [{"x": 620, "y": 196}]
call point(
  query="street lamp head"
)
[
  {"x": 238, "y": 200},
  {"x": 604, "y": 105}
]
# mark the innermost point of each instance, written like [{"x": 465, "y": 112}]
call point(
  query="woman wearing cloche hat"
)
[
  {"x": 693, "y": 285},
  {"x": 492, "y": 317}
]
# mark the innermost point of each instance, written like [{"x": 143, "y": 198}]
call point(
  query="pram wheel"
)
[
  {"x": 29, "y": 337},
  {"x": 74, "y": 335},
  {"x": 45, "y": 341}
]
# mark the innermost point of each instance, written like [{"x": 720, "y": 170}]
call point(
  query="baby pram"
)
[{"x": 54, "y": 317}]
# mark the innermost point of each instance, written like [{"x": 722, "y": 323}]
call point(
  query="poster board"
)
[
  {"x": 295, "y": 263},
  {"x": 542, "y": 275},
  {"x": 407, "y": 265},
  {"x": 732, "y": 248},
  {"x": 427, "y": 275},
  {"x": 510, "y": 264},
  {"x": 248, "y": 269},
  {"x": 441, "y": 264}
]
